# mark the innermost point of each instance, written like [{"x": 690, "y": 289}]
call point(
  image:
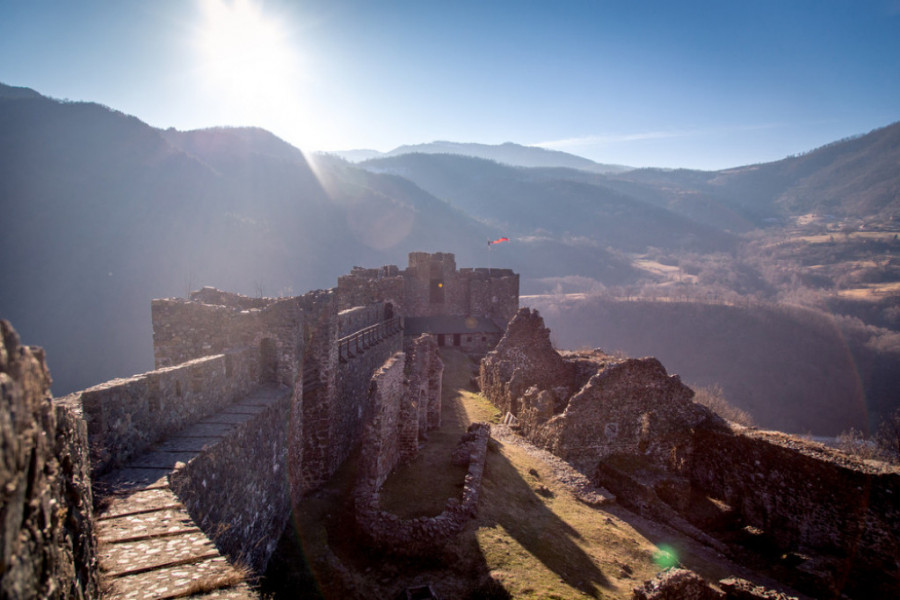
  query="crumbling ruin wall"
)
[
  {"x": 237, "y": 489},
  {"x": 525, "y": 358},
  {"x": 806, "y": 497},
  {"x": 633, "y": 407},
  {"x": 210, "y": 295},
  {"x": 125, "y": 416},
  {"x": 386, "y": 440},
  {"x": 425, "y": 535},
  {"x": 47, "y": 542},
  {"x": 425, "y": 380}
]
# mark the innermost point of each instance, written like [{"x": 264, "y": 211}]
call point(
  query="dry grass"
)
[
  {"x": 236, "y": 575},
  {"x": 531, "y": 535}
]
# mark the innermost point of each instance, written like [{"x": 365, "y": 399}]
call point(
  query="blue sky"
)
[{"x": 672, "y": 84}]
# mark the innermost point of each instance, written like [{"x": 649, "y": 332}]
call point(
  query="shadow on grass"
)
[
  {"x": 510, "y": 502},
  {"x": 321, "y": 556}
]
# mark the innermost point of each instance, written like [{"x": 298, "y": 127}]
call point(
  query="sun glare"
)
[{"x": 249, "y": 63}]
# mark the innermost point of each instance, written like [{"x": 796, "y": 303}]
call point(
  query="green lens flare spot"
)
[{"x": 665, "y": 557}]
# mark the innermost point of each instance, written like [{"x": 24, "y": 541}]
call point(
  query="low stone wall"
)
[
  {"x": 125, "y": 416},
  {"x": 418, "y": 537},
  {"x": 47, "y": 542},
  {"x": 809, "y": 499},
  {"x": 238, "y": 491},
  {"x": 681, "y": 584}
]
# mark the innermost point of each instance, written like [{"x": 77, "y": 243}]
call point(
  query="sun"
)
[{"x": 246, "y": 56}]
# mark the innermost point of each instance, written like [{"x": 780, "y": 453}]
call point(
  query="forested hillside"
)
[{"x": 103, "y": 213}]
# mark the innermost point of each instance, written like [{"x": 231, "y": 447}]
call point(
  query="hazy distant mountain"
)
[
  {"x": 509, "y": 154},
  {"x": 852, "y": 178},
  {"x": 529, "y": 202},
  {"x": 102, "y": 213}
]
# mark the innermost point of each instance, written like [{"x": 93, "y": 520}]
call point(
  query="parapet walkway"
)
[{"x": 149, "y": 546}]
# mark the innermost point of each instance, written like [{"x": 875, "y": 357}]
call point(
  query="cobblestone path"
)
[{"x": 148, "y": 545}]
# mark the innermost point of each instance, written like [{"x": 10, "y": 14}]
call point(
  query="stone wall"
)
[
  {"x": 352, "y": 384},
  {"x": 808, "y": 499},
  {"x": 365, "y": 286},
  {"x": 47, "y": 542},
  {"x": 493, "y": 293},
  {"x": 525, "y": 358},
  {"x": 425, "y": 380},
  {"x": 632, "y": 407},
  {"x": 311, "y": 450},
  {"x": 425, "y": 535},
  {"x": 184, "y": 330},
  {"x": 125, "y": 416},
  {"x": 390, "y": 408},
  {"x": 210, "y": 295},
  {"x": 237, "y": 490}
]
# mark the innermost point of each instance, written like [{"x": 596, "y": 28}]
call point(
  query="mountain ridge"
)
[{"x": 508, "y": 153}]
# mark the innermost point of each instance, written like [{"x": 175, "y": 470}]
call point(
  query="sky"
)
[{"x": 704, "y": 85}]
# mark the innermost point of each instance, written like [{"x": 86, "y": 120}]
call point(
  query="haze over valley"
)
[{"x": 708, "y": 270}]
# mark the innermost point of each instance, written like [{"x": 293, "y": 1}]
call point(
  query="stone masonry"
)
[
  {"x": 635, "y": 429},
  {"x": 48, "y": 545}
]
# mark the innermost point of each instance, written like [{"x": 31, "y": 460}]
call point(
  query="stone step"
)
[
  {"x": 202, "y": 575},
  {"x": 149, "y": 545}
]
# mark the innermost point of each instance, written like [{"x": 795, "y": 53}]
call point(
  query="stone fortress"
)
[{"x": 255, "y": 402}]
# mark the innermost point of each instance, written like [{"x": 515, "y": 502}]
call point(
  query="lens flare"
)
[{"x": 665, "y": 557}]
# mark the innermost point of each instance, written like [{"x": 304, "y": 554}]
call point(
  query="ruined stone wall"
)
[
  {"x": 210, "y": 295},
  {"x": 633, "y": 407},
  {"x": 125, "y": 416},
  {"x": 237, "y": 490},
  {"x": 425, "y": 535},
  {"x": 390, "y": 412},
  {"x": 425, "y": 379},
  {"x": 807, "y": 497},
  {"x": 47, "y": 542},
  {"x": 525, "y": 358}
]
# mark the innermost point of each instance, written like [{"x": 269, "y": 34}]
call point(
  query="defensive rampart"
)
[
  {"x": 237, "y": 489},
  {"x": 125, "y": 416}
]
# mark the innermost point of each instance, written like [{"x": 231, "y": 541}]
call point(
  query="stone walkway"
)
[{"x": 148, "y": 545}]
